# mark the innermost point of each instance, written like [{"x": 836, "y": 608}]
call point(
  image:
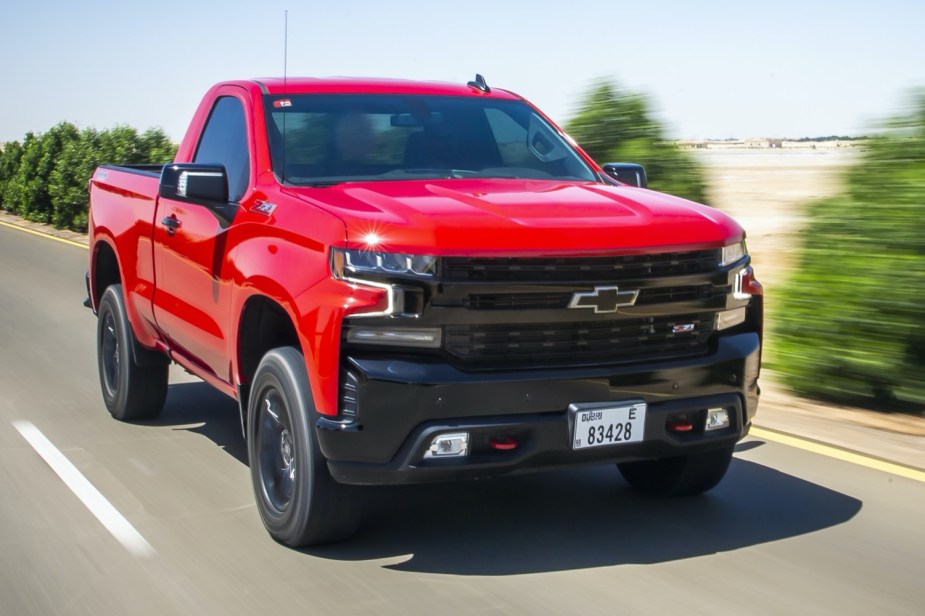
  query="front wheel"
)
[
  {"x": 298, "y": 500},
  {"x": 130, "y": 391},
  {"x": 680, "y": 475}
]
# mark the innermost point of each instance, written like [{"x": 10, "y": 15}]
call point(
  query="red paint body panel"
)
[
  {"x": 122, "y": 216},
  {"x": 187, "y": 292}
]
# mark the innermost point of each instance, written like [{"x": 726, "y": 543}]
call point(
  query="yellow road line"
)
[
  {"x": 839, "y": 454},
  {"x": 43, "y": 234}
]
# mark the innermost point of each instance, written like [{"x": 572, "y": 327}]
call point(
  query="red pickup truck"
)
[{"x": 405, "y": 282}]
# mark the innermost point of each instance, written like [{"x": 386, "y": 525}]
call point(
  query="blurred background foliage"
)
[
  {"x": 44, "y": 178},
  {"x": 850, "y": 326},
  {"x": 615, "y": 125}
]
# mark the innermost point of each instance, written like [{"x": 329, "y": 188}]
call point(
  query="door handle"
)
[{"x": 172, "y": 223}]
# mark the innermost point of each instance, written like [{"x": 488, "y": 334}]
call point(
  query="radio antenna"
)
[{"x": 285, "y": 86}]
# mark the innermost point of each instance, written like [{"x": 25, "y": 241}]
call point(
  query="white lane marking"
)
[{"x": 105, "y": 512}]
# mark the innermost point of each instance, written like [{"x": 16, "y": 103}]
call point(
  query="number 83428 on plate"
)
[{"x": 597, "y": 424}]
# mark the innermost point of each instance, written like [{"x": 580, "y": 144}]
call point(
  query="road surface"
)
[{"x": 788, "y": 531}]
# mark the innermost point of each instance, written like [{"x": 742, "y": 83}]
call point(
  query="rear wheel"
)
[
  {"x": 681, "y": 475},
  {"x": 129, "y": 391},
  {"x": 298, "y": 500}
]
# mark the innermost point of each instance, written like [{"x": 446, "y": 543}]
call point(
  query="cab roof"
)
[{"x": 361, "y": 85}]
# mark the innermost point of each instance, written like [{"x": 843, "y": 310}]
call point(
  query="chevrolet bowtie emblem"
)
[{"x": 603, "y": 299}]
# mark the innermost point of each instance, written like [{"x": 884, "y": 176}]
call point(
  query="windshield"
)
[{"x": 318, "y": 139}]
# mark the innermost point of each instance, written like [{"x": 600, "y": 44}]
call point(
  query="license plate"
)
[{"x": 596, "y": 425}]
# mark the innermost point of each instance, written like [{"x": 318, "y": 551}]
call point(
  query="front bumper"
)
[{"x": 404, "y": 404}]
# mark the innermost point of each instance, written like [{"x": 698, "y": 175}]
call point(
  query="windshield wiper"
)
[{"x": 315, "y": 183}]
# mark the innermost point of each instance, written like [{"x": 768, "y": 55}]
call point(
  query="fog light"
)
[
  {"x": 717, "y": 419},
  {"x": 449, "y": 446}
]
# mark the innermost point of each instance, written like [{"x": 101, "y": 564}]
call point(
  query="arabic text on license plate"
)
[{"x": 595, "y": 427}]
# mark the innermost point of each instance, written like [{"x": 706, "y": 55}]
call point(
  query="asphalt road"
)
[{"x": 788, "y": 531}]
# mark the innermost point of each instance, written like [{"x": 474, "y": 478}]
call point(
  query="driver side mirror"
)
[
  {"x": 204, "y": 184},
  {"x": 627, "y": 173}
]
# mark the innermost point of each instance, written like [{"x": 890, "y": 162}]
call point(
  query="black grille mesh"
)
[
  {"x": 580, "y": 269},
  {"x": 586, "y": 342},
  {"x": 552, "y": 301}
]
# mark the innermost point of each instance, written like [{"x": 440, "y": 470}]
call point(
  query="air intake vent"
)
[{"x": 349, "y": 400}]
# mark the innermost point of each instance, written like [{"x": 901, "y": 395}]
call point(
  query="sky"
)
[{"x": 710, "y": 68}]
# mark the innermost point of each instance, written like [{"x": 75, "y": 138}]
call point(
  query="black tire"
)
[
  {"x": 129, "y": 391},
  {"x": 679, "y": 476},
  {"x": 298, "y": 500}
]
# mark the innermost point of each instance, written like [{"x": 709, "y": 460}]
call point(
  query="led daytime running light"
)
[{"x": 347, "y": 263}]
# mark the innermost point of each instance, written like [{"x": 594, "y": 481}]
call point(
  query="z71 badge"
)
[{"x": 264, "y": 207}]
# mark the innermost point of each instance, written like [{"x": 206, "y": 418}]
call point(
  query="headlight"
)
[
  {"x": 733, "y": 252},
  {"x": 356, "y": 263},
  {"x": 377, "y": 271}
]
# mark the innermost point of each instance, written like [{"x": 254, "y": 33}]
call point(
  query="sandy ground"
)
[{"x": 767, "y": 192}]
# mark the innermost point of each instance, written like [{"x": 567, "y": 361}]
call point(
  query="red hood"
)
[{"x": 527, "y": 217}]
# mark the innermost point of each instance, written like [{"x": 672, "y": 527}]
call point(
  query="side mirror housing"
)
[
  {"x": 204, "y": 184},
  {"x": 627, "y": 173}
]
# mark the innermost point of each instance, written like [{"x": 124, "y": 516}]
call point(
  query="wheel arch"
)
[
  {"x": 105, "y": 270},
  {"x": 264, "y": 324}
]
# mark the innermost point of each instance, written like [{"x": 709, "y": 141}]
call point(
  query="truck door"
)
[{"x": 192, "y": 272}]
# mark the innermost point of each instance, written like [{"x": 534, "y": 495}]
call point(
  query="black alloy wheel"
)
[
  {"x": 298, "y": 500},
  {"x": 129, "y": 391}
]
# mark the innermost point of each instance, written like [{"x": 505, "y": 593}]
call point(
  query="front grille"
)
[
  {"x": 548, "y": 301},
  {"x": 580, "y": 269},
  {"x": 586, "y": 342}
]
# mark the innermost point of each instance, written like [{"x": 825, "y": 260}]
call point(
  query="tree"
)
[
  {"x": 27, "y": 190},
  {"x": 851, "y": 324},
  {"x": 44, "y": 178},
  {"x": 67, "y": 183},
  {"x": 14, "y": 191},
  {"x": 157, "y": 146},
  {"x": 9, "y": 164},
  {"x": 614, "y": 125}
]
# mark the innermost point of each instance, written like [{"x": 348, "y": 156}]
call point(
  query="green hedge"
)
[
  {"x": 614, "y": 125},
  {"x": 44, "y": 178},
  {"x": 851, "y": 323}
]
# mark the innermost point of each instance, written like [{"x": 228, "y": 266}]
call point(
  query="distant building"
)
[{"x": 765, "y": 143}]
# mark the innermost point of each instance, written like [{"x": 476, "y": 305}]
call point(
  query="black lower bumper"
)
[{"x": 403, "y": 405}]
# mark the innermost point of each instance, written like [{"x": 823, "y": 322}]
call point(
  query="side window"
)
[{"x": 224, "y": 140}]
